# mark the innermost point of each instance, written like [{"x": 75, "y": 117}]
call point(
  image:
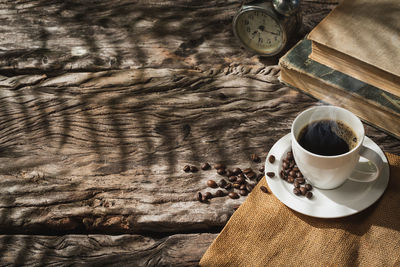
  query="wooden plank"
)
[
  {"x": 103, "y": 250},
  {"x": 55, "y": 36},
  {"x": 103, "y": 152}
]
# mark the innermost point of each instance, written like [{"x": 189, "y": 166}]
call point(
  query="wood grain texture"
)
[
  {"x": 103, "y": 250},
  {"x": 57, "y": 36}
]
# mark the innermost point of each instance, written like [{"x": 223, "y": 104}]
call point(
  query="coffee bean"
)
[
  {"x": 291, "y": 164},
  {"x": 199, "y": 196},
  {"x": 289, "y": 155},
  {"x": 242, "y": 187},
  {"x": 222, "y": 183},
  {"x": 236, "y": 171},
  {"x": 233, "y": 195},
  {"x": 243, "y": 192},
  {"x": 290, "y": 179},
  {"x": 208, "y": 195},
  {"x": 232, "y": 178},
  {"x": 296, "y": 191},
  {"x": 251, "y": 175},
  {"x": 186, "y": 168},
  {"x": 303, "y": 190},
  {"x": 229, "y": 173},
  {"x": 300, "y": 180},
  {"x": 261, "y": 169},
  {"x": 212, "y": 184},
  {"x": 219, "y": 193},
  {"x": 285, "y": 165},
  {"x": 228, "y": 186},
  {"x": 271, "y": 159},
  {"x": 205, "y": 166},
  {"x": 299, "y": 175},
  {"x": 292, "y": 173},
  {"x": 309, "y": 195},
  {"x": 219, "y": 166},
  {"x": 259, "y": 177},
  {"x": 249, "y": 187},
  {"x": 221, "y": 171},
  {"x": 264, "y": 189},
  {"x": 296, "y": 184},
  {"x": 270, "y": 174},
  {"x": 296, "y": 169},
  {"x": 240, "y": 180},
  {"x": 236, "y": 185},
  {"x": 282, "y": 174},
  {"x": 308, "y": 187},
  {"x": 193, "y": 169},
  {"x": 255, "y": 158},
  {"x": 247, "y": 170}
]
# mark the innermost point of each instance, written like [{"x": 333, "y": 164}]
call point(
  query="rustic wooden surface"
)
[{"x": 101, "y": 106}]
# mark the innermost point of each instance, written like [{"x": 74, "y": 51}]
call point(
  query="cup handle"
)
[{"x": 363, "y": 173}]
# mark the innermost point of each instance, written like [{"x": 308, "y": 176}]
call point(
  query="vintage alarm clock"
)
[{"x": 264, "y": 27}]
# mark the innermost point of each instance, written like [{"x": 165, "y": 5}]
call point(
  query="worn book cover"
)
[
  {"x": 362, "y": 39},
  {"x": 373, "y": 105}
]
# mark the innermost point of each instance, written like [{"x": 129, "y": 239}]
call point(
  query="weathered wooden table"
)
[{"x": 102, "y": 103}]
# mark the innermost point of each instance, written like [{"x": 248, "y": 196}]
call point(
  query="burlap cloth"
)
[{"x": 264, "y": 232}]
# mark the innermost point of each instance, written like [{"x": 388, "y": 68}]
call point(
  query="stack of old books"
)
[{"x": 352, "y": 59}]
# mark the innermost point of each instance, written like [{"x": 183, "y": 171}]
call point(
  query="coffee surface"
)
[{"x": 327, "y": 137}]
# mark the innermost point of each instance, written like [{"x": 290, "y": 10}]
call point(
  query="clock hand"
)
[{"x": 262, "y": 28}]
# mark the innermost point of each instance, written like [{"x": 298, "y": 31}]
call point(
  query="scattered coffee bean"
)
[
  {"x": 229, "y": 173},
  {"x": 222, "y": 183},
  {"x": 219, "y": 166},
  {"x": 232, "y": 178},
  {"x": 296, "y": 184},
  {"x": 309, "y": 194},
  {"x": 303, "y": 190},
  {"x": 285, "y": 165},
  {"x": 251, "y": 175},
  {"x": 219, "y": 193},
  {"x": 212, "y": 184},
  {"x": 241, "y": 175},
  {"x": 221, "y": 171},
  {"x": 300, "y": 180},
  {"x": 270, "y": 174},
  {"x": 308, "y": 187},
  {"x": 292, "y": 173},
  {"x": 261, "y": 169},
  {"x": 243, "y": 192},
  {"x": 299, "y": 174},
  {"x": 264, "y": 189},
  {"x": 247, "y": 170},
  {"x": 255, "y": 158},
  {"x": 242, "y": 187},
  {"x": 259, "y": 176},
  {"x": 236, "y": 171},
  {"x": 193, "y": 169},
  {"x": 208, "y": 195},
  {"x": 236, "y": 185},
  {"x": 205, "y": 166},
  {"x": 296, "y": 191},
  {"x": 228, "y": 186},
  {"x": 186, "y": 168},
  {"x": 290, "y": 179},
  {"x": 199, "y": 196},
  {"x": 289, "y": 155},
  {"x": 204, "y": 199},
  {"x": 233, "y": 195},
  {"x": 240, "y": 180},
  {"x": 249, "y": 187},
  {"x": 296, "y": 169}
]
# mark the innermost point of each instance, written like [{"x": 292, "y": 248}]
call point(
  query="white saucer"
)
[{"x": 349, "y": 198}]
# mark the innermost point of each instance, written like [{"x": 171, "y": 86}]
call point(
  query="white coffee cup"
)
[{"x": 328, "y": 172}]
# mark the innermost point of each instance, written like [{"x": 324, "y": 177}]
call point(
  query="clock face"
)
[{"x": 259, "y": 32}]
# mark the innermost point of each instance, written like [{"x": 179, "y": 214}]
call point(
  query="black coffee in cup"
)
[{"x": 327, "y": 137}]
